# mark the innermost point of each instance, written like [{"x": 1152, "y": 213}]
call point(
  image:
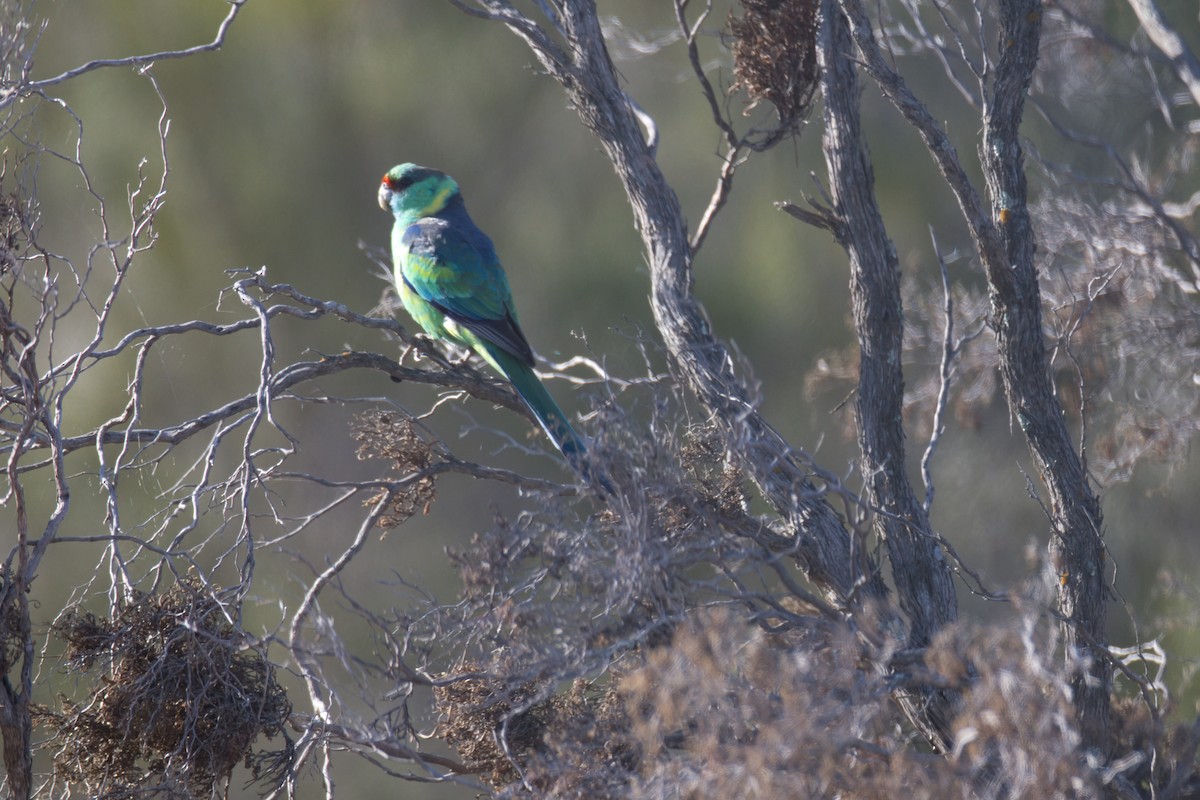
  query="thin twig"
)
[
  {"x": 218, "y": 41},
  {"x": 949, "y": 350}
]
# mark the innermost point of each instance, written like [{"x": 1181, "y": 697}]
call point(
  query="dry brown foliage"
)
[
  {"x": 775, "y": 56},
  {"x": 393, "y": 436},
  {"x": 726, "y": 709},
  {"x": 179, "y": 700},
  {"x": 574, "y": 744}
]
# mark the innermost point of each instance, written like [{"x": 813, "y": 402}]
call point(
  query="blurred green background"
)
[{"x": 276, "y": 146}]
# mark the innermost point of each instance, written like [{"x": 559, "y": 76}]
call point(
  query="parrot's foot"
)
[{"x": 425, "y": 346}]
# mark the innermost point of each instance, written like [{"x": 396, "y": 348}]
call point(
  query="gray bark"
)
[
  {"x": 823, "y": 545},
  {"x": 1004, "y": 238},
  {"x": 924, "y": 581}
]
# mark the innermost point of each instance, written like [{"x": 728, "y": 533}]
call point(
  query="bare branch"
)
[
  {"x": 936, "y": 141},
  {"x": 924, "y": 582},
  {"x": 949, "y": 349},
  {"x": 719, "y": 197},
  {"x": 1004, "y": 240},
  {"x": 12, "y": 92},
  {"x": 1076, "y": 545},
  {"x": 1183, "y": 61}
]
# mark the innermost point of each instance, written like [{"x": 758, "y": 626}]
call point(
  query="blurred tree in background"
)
[{"x": 929, "y": 530}]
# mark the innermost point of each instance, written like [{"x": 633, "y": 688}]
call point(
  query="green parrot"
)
[{"x": 450, "y": 280}]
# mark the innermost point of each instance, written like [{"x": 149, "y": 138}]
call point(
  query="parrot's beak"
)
[{"x": 385, "y": 196}]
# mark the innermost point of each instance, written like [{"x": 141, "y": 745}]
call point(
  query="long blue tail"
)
[{"x": 554, "y": 422}]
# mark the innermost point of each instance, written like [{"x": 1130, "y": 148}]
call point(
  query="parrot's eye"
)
[{"x": 398, "y": 184}]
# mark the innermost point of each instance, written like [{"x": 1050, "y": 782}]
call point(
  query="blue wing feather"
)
[{"x": 454, "y": 267}]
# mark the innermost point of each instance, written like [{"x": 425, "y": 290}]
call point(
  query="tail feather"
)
[{"x": 553, "y": 421}]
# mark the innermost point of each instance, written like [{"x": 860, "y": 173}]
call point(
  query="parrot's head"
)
[{"x": 411, "y": 192}]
